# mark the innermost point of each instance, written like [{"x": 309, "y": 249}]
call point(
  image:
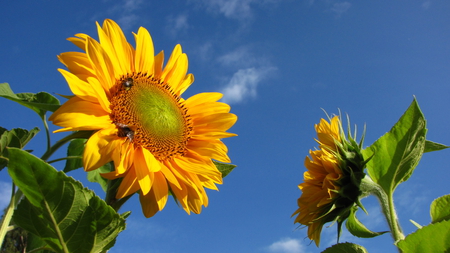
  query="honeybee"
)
[
  {"x": 125, "y": 131},
  {"x": 128, "y": 83}
]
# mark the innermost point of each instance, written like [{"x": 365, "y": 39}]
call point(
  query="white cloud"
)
[
  {"x": 244, "y": 83},
  {"x": 177, "y": 24},
  {"x": 5, "y": 194},
  {"x": 286, "y": 245},
  {"x": 426, "y": 4},
  {"x": 236, "y": 9},
  {"x": 240, "y": 57},
  {"x": 340, "y": 8}
]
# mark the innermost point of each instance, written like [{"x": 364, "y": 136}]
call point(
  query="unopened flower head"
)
[
  {"x": 158, "y": 141},
  {"x": 331, "y": 182}
]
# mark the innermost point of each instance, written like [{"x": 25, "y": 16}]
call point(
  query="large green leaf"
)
[
  {"x": 16, "y": 138},
  {"x": 396, "y": 154},
  {"x": 40, "y": 102},
  {"x": 345, "y": 248},
  {"x": 440, "y": 209},
  {"x": 431, "y": 238},
  {"x": 356, "y": 228},
  {"x": 58, "y": 209}
]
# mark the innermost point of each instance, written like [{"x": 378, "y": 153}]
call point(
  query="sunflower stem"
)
[
  {"x": 64, "y": 158},
  {"x": 47, "y": 131},
  {"x": 6, "y": 220},
  {"x": 387, "y": 207},
  {"x": 58, "y": 144}
]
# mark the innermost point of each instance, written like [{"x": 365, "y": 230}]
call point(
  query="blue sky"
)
[{"x": 278, "y": 62}]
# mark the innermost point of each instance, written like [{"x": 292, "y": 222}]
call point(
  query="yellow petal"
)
[
  {"x": 202, "y": 98},
  {"x": 177, "y": 73},
  {"x": 99, "y": 148},
  {"x": 129, "y": 184},
  {"x": 144, "y": 52},
  {"x": 214, "y": 149},
  {"x": 159, "y": 61},
  {"x": 101, "y": 64},
  {"x": 148, "y": 204},
  {"x": 77, "y": 63},
  {"x": 160, "y": 190},
  {"x": 79, "y": 87},
  {"x": 144, "y": 163},
  {"x": 79, "y": 114},
  {"x": 215, "y": 122}
]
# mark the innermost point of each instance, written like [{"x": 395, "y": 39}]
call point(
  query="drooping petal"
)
[
  {"x": 79, "y": 114},
  {"x": 99, "y": 148}
]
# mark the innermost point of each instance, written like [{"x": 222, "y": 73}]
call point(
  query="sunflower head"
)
[
  {"x": 159, "y": 142},
  {"x": 332, "y": 181}
]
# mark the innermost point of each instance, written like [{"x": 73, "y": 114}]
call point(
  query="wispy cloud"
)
[
  {"x": 235, "y": 9},
  {"x": 5, "y": 194},
  {"x": 286, "y": 245},
  {"x": 177, "y": 24},
  {"x": 240, "y": 57},
  {"x": 244, "y": 84},
  {"x": 340, "y": 8},
  {"x": 250, "y": 72}
]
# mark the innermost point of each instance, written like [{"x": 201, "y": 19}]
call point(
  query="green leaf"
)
[
  {"x": 440, "y": 209},
  {"x": 345, "y": 247},
  {"x": 58, "y": 209},
  {"x": 356, "y": 228},
  {"x": 224, "y": 168},
  {"x": 431, "y": 238},
  {"x": 40, "y": 102},
  {"x": 397, "y": 153},
  {"x": 95, "y": 176},
  {"x": 75, "y": 149},
  {"x": 16, "y": 138},
  {"x": 433, "y": 146}
]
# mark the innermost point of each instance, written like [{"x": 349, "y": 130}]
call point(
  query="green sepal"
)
[
  {"x": 430, "y": 238},
  {"x": 440, "y": 209},
  {"x": 15, "y": 138},
  {"x": 416, "y": 224},
  {"x": 404, "y": 145},
  {"x": 58, "y": 209},
  {"x": 224, "y": 168},
  {"x": 40, "y": 102},
  {"x": 356, "y": 228},
  {"x": 433, "y": 146},
  {"x": 345, "y": 247}
]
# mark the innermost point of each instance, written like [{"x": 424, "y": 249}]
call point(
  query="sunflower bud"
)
[{"x": 332, "y": 181}]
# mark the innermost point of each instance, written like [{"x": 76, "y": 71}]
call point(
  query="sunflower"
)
[
  {"x": 332, "y": 180},
  {"x": 158, "y": 141}
]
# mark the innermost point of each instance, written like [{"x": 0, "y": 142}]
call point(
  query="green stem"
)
[
  {"x": 387, "y": 206},
  {"x": 47, "y": 131},
  {"x": 58, "y": 144},
  {"x": 64, "y": 158},
  {"x": 6, "y": 220}
]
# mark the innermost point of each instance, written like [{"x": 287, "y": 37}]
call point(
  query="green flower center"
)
[{"x": 150, "y": 115}]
